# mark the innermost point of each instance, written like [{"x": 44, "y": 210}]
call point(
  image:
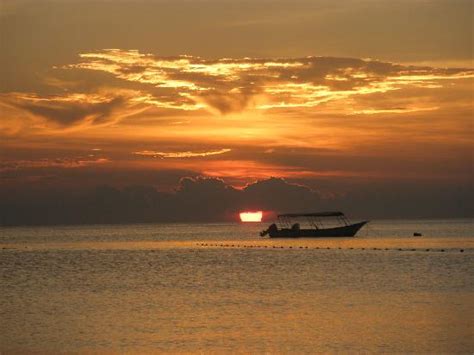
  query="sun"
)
[{"x": 255, "y": 216}]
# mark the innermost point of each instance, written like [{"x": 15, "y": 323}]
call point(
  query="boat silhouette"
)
[{"x": 285, "y": 228}]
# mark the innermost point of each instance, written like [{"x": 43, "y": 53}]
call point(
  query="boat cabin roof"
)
[{"x": 314, "y": 214}]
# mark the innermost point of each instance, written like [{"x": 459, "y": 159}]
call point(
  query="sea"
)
[{"x": 221, "y": 288}]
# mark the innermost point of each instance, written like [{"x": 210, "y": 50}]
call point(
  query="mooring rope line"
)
[{"x": 440, "y": 250}]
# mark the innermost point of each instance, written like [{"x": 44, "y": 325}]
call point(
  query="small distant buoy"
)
[
  {"x": 461, "y": 251},
  {"x": 417, "y": 234},
  {"x": 442, "y": 250}
]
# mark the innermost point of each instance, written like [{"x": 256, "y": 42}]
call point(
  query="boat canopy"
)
[{"x": 315, "y": 214}]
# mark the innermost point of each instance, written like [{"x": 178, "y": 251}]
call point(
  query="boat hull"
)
[{"x": 343, "y": 231}]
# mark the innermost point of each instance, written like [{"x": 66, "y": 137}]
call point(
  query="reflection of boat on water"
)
[{"x": 288, "y": 227}]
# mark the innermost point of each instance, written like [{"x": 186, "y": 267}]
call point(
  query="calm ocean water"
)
[{"x": 221, "y": 288}]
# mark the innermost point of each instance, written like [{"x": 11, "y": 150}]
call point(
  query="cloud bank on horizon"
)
[{"x": 202, "y": 199}]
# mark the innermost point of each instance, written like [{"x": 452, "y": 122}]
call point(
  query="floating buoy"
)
[
  {"x": 417, "y": 234},
  {"x": 462, "y": 250}
]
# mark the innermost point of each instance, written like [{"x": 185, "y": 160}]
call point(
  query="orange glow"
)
[{"x": 251, "y": 216}]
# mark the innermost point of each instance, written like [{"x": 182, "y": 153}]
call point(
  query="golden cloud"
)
[
  {"x": 186, "y": 154},
  {"x": 11, "y": 165},
  {"x": 230, "y": 85},
  {"x": 77, "y": 109}
]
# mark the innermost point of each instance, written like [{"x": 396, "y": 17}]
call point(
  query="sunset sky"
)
[{"x": 363, "y": 97}]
